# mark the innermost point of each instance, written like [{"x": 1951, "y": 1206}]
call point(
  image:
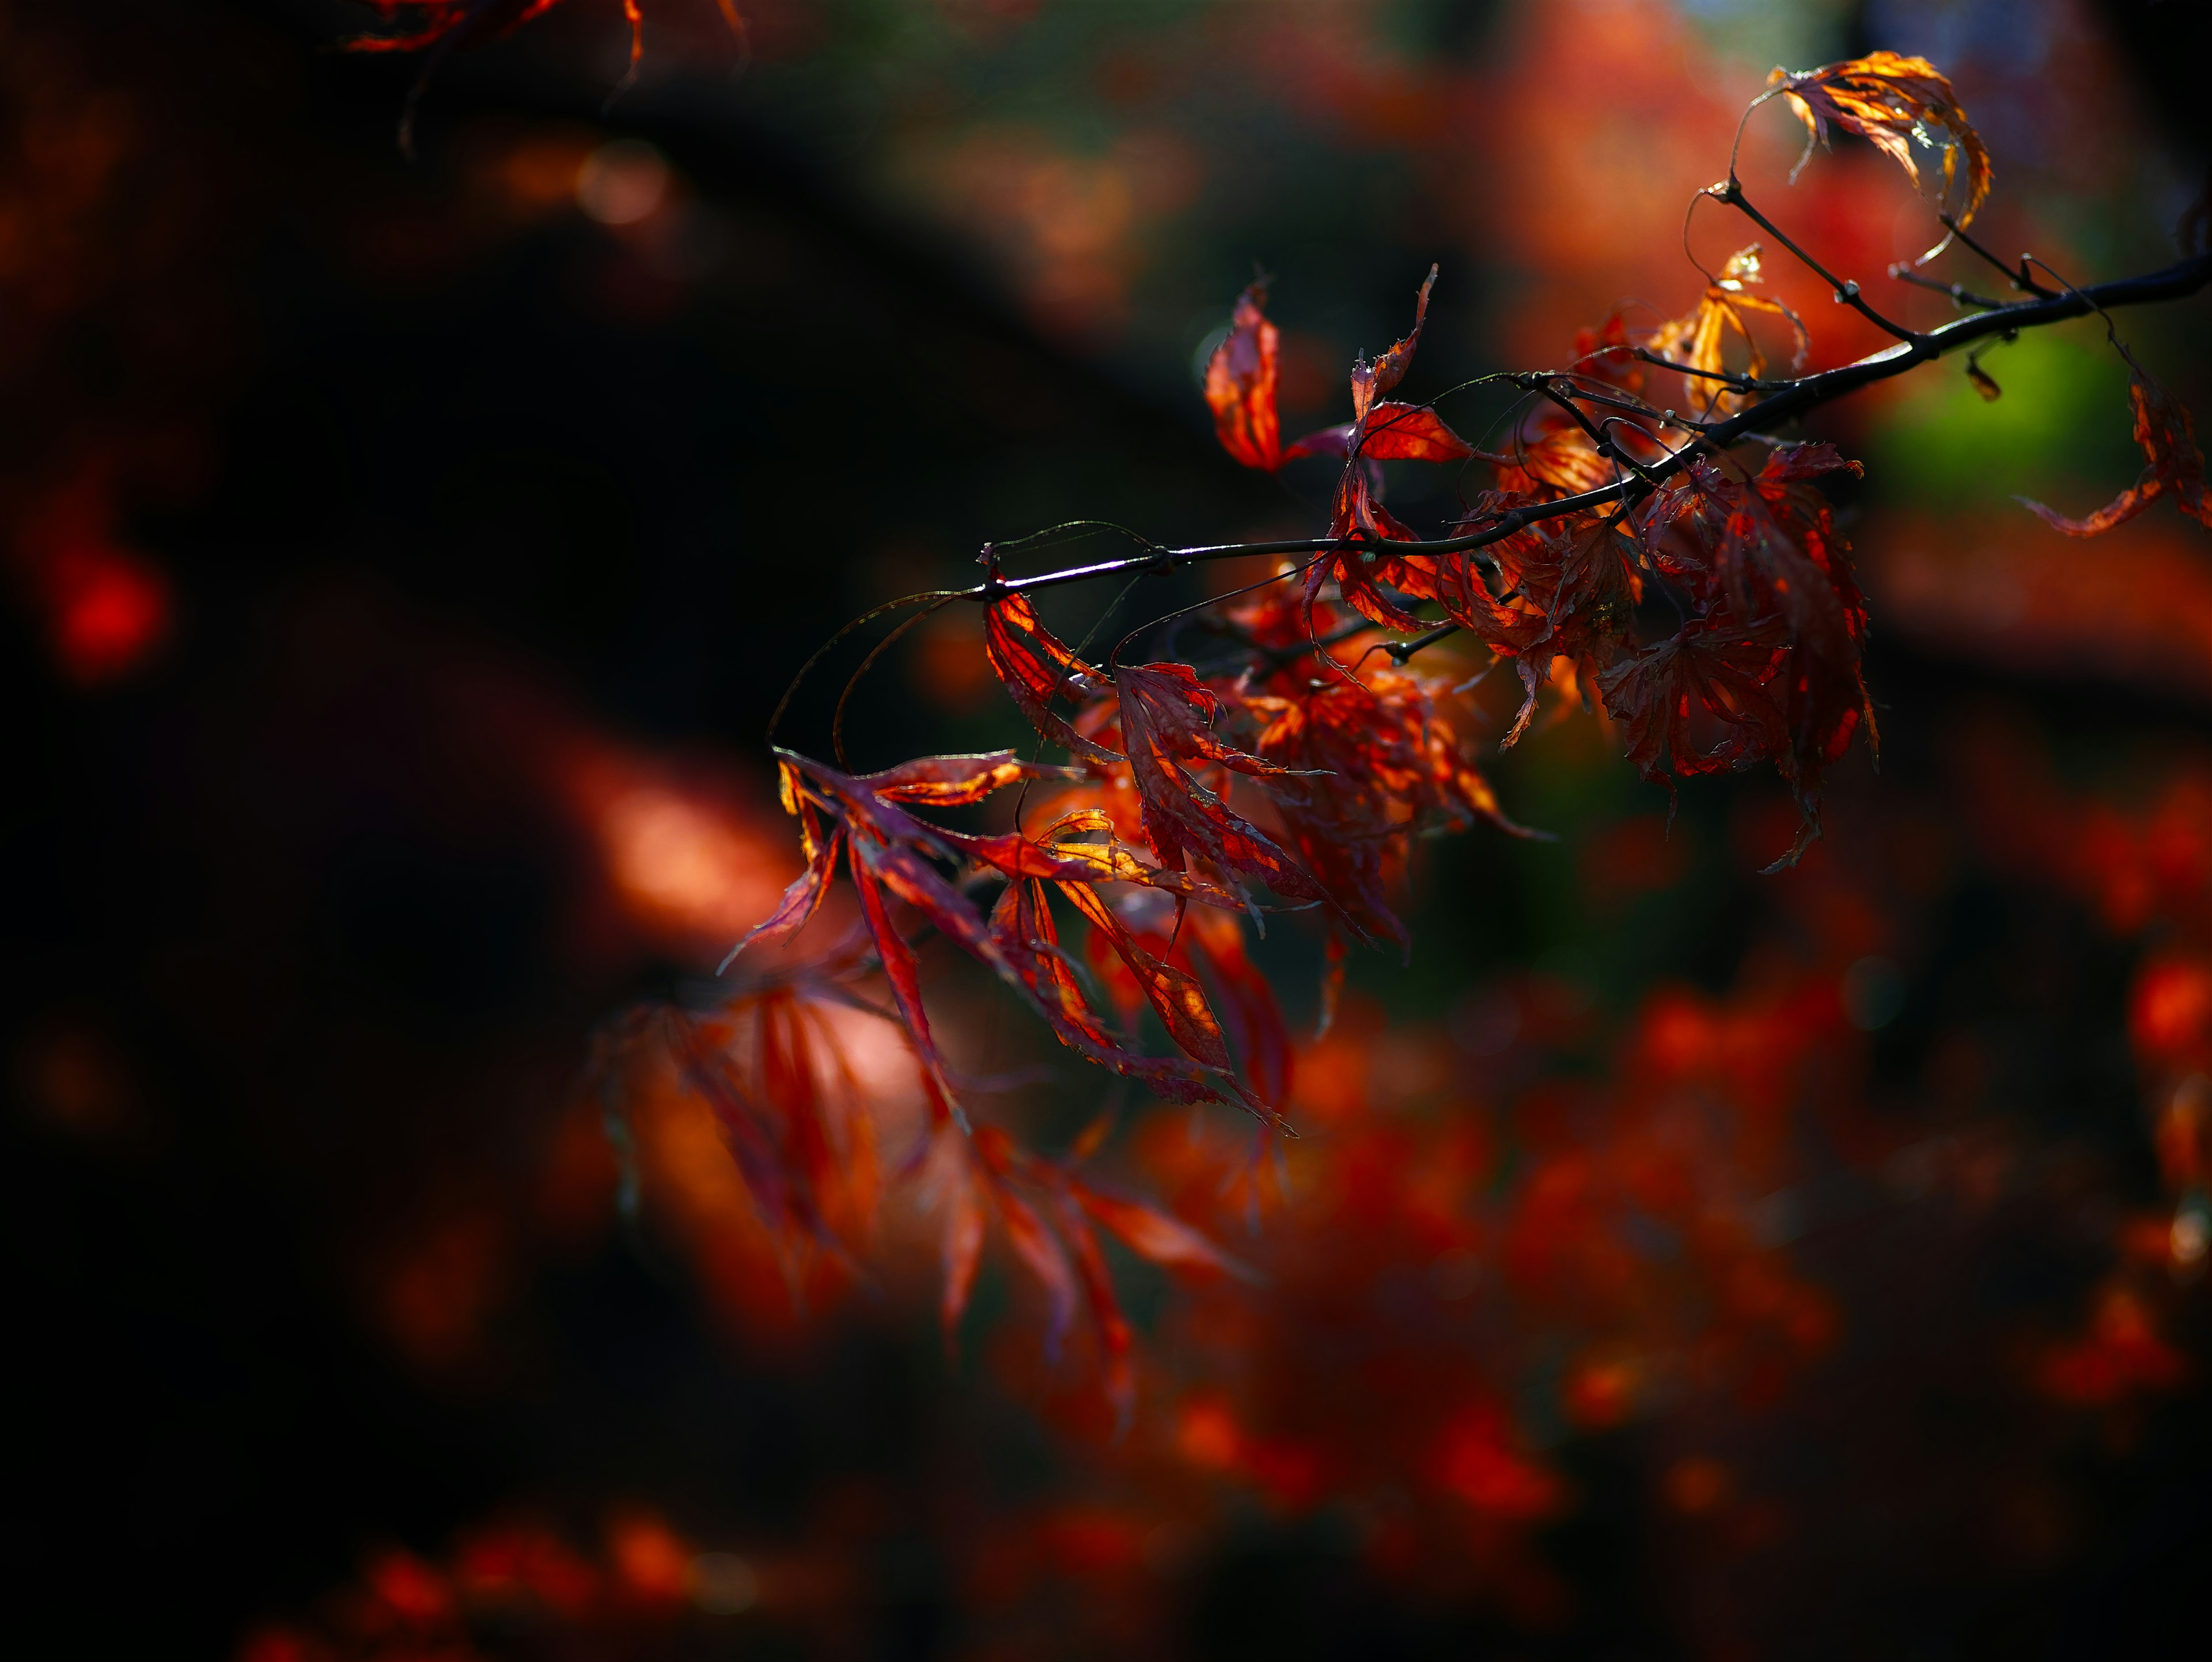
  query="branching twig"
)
[
  {"x": 2020, "y": 278},
  {"x": 1790, "y": 401},
  {"x": 1730, "y": 190}
]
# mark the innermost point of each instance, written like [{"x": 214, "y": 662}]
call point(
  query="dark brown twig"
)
[
  {"x": 1730, "y": 190},
  {"x": 1959, "y": 292},
  {"x": 1793, "y": 399},
  {"x": 2019, "y": 278}
]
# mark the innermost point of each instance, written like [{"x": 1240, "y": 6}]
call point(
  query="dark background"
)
[{"x": 295, "y": 891}]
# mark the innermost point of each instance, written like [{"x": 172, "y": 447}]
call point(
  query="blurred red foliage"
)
[{"x": 1498, "y": 1238}]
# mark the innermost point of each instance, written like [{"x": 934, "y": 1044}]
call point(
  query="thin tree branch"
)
[
  {"x": 1730, "y": 190},
  {"x": 2021, "y": 278},
  {"x": 1791, "y": 401},
  {"x": 1741, "y": 383},
  {"x": 1959, "y": 292}
]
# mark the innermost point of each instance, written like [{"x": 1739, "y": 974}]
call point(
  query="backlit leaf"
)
[
  {"x": 1240, "y": 384},
  {"x": 1166, "y": 714},
  {"x": 1893, "y": 102},
  {"x": 1036, "y": 668}
]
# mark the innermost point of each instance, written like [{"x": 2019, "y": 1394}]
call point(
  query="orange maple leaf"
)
[{"x": 1893, "y": 102}]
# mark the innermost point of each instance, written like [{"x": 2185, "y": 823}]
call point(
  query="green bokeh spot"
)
[{"x": 2060, "y": 433}]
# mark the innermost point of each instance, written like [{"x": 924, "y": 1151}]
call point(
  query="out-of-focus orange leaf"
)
[
  {"x": 1152, "y": 1234},
  {"x": 652, "y": 1563},
  {"x": 1240, "y": 384},
  {"x": 1476, "y": 1460},
  {"x": 1116, "y": 1342},
  {"x": 2122, "y": 1354},
  {"x": 2170, "y": 1012},
  {"x": 2172, "y": 465},
  {"x": 1043, "y": 1255},
  {"x": 962, "y": 1248}
]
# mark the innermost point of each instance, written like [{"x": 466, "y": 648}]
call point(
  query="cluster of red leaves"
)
[
  {"x": 1139, "y": 846},
  {"x": 1592, "y": 1230},
  {"x": 766, "y": 1064},
  {"x": 1447, "y": 1252},
  {"x": 1763, "y": 666},
  {"x": 1704, "y": 597}
]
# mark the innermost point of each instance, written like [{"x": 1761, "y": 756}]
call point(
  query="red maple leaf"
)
[{"x": 1166, "y": 717}]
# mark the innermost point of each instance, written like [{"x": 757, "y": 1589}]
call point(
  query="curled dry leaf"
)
[
  {"x": 947, "y": 782},
  {"x": 1893, "y": 102},
  {"x": 1391, "y": 368},
  {"x": 1241, "y": 390},
  {"x": 1699, "y": 342},
  {"x": 1357, "y": 516}
]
